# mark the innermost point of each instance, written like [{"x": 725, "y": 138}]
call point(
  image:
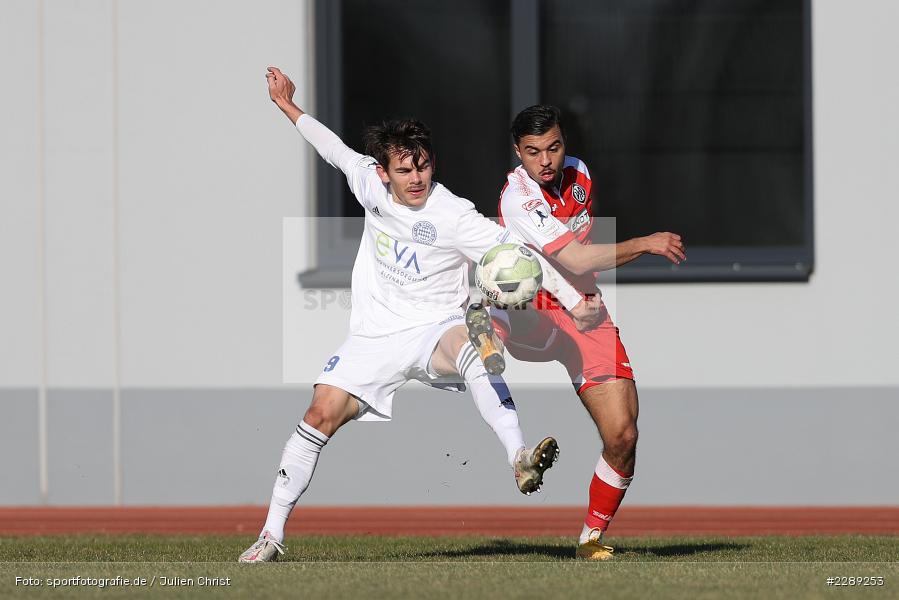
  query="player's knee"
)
[
  {"x": 329, "y": 410},
  {"x": 629, "y": 439},
  {"x": 324, "y": 420},
  {"x": 624, "y": 443},
  {"x": 316, "y": 416},
  {"x": 448, "y": 348},
  {"x": 453, "y": 341}
]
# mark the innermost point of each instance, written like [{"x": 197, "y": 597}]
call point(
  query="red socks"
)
[{"x": 606, "y": 493}]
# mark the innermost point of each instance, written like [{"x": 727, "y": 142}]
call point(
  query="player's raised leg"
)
[
  {"x": 455, "y": 354},
  {"x": 331, "y": 408},
  {"x": 614, "y": 407}
]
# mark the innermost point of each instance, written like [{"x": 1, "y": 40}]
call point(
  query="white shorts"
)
[{"x": 373, "y": 368}]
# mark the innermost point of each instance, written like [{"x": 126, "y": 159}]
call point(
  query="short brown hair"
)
[{"x": 401, "y": 137}]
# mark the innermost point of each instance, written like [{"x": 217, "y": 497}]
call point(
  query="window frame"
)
[{"x": 336, "y": 249}]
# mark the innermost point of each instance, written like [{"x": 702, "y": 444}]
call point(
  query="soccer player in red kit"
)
[{"x": 548, "y": 201}]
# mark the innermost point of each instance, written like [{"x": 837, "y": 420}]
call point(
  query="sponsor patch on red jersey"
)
[
  {"x": 532, "y": 204},
  {"x": 580, "y": 220}
]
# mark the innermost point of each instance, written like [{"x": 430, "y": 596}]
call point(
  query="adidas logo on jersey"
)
[{"x": 376, "y": 211}]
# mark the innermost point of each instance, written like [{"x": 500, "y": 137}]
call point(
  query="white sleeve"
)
[
  {"x": 358, "y": 168},
  {"x": 476, "y": 234},
  {"x": 533, "y": 220},
  {"x": 557, "y": 285}
]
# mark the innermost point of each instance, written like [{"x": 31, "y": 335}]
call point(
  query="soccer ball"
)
[{"x": 509, "y": 275}]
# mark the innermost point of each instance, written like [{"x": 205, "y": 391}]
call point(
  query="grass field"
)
[{"x": 456, "y": 567}]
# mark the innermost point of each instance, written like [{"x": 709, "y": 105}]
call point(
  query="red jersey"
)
[{"x": 549, "y": 220}]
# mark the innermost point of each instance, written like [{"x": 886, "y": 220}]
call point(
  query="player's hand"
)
[
  {"x": 589, "y": 313},
  {"x": 281, "y": 90},
  {"x": 666, "y": 244},
  {"x": 280, "y": 87}
]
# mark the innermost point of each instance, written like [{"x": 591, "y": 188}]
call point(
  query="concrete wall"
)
[
  {"x": 145, "y": 176},
  {"x": 144, "y": 181}
]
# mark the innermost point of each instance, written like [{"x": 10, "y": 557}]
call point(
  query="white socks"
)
[
  {"x": 493, "y": 399},
  {"x": 585, "y": 535},
  {"x": 294, "y": 473}
]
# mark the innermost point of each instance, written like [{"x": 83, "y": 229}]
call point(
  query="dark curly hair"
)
[
  {"x": 536, "y": 120},
  {"x": 400, "y": 137}
]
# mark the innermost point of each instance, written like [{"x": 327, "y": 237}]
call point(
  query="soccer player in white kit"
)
[{"x": 409, "y": 292}]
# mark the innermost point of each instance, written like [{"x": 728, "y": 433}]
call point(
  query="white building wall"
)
[
  {"x": 78, "y": 121},
  {"x": 207, "y": 169},
  {"x": 20, "y": 176}
]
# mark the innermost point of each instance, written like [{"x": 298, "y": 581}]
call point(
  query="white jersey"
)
[{"x": 412, "y": 265}]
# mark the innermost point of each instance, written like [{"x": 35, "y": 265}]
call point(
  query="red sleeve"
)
[{"x": 558, "y": 243}]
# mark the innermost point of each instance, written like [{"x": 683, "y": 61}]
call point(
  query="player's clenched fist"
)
[
  {"x": 666, "y": 244},
  {"x": 280, "y": 87},
  {"x": 281, "y": 90}
]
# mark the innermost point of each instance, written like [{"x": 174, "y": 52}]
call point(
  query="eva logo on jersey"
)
[{"x": 402, "y": 256}]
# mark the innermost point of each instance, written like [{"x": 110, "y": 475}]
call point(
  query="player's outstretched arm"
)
[
  {"x": 579, "y": 259},
  {"x": 328, "y": 144}
]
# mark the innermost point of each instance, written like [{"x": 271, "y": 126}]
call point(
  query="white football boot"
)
[
  {"x": 265, "y": 549},
  {"x": 531, "y": 463}
]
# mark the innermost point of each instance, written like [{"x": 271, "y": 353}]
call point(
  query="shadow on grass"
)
[
  {"x": 683, "y": 549},
  {"x": 510, "y": 548}
]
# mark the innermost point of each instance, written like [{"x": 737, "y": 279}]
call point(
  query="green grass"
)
[{"x": 458, "y": 567}]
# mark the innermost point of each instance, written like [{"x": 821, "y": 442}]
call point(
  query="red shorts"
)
[{"x": 591, "y": 357}]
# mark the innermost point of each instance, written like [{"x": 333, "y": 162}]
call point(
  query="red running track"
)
[{"x": 467, "y": 520}]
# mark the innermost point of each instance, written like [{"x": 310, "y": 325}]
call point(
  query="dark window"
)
[
  {"x": 693, "y": 116},
  {"x": 443, "y": 63}
]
